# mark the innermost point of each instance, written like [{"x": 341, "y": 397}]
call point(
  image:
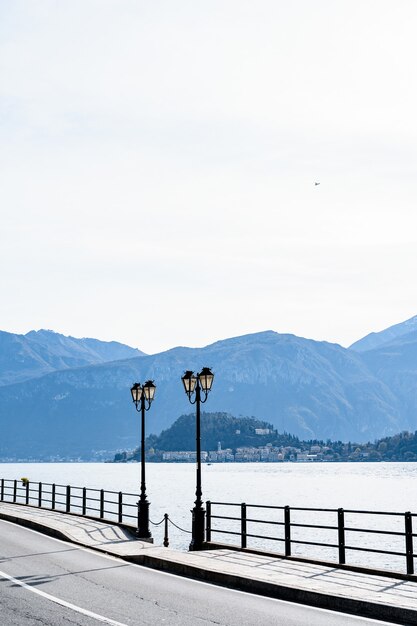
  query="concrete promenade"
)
[{"x": 380, "y": 597}]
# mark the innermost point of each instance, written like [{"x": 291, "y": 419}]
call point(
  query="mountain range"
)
[
  {"x": 66, "y": 397},
  {"x": 39, "y": 352}
]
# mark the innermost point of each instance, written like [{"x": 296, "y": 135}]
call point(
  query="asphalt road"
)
[{"x": 47, "y": 582}]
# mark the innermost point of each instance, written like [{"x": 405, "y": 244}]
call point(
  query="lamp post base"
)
[
  {"x": 143, "y": 531},
  {"x": 197, "y": 528}
]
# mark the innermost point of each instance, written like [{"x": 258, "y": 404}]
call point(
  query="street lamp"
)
[
  {"x": 194, "y": 385},
  {"x": 142, "y": 398}
]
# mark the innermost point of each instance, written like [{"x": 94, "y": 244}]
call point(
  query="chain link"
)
[{"x": 179, "y": 527}]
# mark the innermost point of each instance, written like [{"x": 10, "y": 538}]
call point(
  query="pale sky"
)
[{"x": 158, "y": 162}]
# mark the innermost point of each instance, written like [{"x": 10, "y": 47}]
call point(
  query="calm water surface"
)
[{"x": 171, "y": 489}]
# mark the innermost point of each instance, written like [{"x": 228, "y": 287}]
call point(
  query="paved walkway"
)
[{"x": 382, "y": 597}]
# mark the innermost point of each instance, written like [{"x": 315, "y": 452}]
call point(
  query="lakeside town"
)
[
  {"x": 263, "y": 454},
  {"x": 250, "y": 454}
]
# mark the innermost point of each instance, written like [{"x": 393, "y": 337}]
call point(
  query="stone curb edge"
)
[{"x": 340, "y": 604}]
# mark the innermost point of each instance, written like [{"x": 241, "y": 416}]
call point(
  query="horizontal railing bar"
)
[
  {"x": 323, "y": 510},
  {"x": 236, "y": 519},
  {"x": 265, "y": 506},
  {"x": 358, "y": 549},
  {"x": 314, "y": 543},
  {"x": 265, "y": 521},
  {"x": 9, "y": 484},
  {"x": 317, "y": 510},
  {"x": 375, "y": 531},
  {"x": 264, "y": 537},
  {"x": 225, "y": 532},
  {"x": 373, "y": 512},
  {"x": 296, "y": 524}
]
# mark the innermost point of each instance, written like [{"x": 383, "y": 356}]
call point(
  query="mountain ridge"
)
[
  {"x": 37, "y": 353},
  {"x": 377, "y": 339}
]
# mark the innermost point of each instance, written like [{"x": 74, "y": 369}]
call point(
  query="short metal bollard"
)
[{"x": 166, "y": 538}]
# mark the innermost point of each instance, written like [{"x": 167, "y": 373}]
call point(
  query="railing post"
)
[
  {"x": 120, "y": 508},
  {"x": 53, "y": 496},
  {"x": 208, "y": 520},
  {"x": 2, "y": 490},
  {"x": 341, "y": 535},
  {"x": 40, "y": 495},
  {"x": 287, "y": 530},
  {"x": 27, "y": 492},
  {"x": 166, "y": 538},
  {"x": 68, "y": 499},
  {"x": 243, "y": 525},
  {"x": 101, "y": 503},
  {"x": 84, "y": 500},
  {"x": 409, "y": 542},
  {"x": 14, "y": 490}
]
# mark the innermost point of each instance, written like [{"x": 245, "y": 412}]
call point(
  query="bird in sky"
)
[{"x": 315, "y": 184}]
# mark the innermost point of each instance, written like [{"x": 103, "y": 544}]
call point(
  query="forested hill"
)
[
  {"x": 223, "y": 428},
  {"x": 229, "y": 431},
  {"x": 239, "y": 432}
]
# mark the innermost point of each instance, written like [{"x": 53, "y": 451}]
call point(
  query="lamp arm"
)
[
  {"x": 146, "y": 404},
  {"x": 149, "y": 402},
  {"x": 206, "y": 393},
  {"x": 192, "y": 401}
]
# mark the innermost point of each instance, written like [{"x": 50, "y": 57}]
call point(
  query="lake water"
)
[{"x": 171, "y": 489}]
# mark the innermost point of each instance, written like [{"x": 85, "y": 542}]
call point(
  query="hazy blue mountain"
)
[
  {"x": 376, "y": 340},
  {"x": 39, "y": 352},
  {"x": 395, "y": 363},
  {"x": 308, "y": 388}
]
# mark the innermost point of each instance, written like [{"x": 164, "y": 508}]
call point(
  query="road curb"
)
[{"x": 362, "y": 608}]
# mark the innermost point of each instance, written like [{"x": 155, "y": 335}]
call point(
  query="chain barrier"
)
[
  {"x": 171, "y": 522},
  {"x": 179, "y": 527},
  {"x": 167, "y": 519}
]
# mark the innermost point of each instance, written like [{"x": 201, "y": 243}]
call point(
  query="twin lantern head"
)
[
  {"x": 148, "y": 391},
  {"x": 205, "y": 378},
  {"x": 189, "y": 380}
]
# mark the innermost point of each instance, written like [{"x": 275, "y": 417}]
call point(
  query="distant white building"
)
[{"x": 186, "y": 456}]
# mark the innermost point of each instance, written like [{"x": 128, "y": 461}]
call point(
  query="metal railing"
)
[
  {"x": 113, "y": 506},
  {"x": 340, "y": 532}
]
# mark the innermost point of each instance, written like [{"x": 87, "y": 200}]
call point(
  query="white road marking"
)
[
  {"x": 110, "y": 557},
  {"x": 68, "y": 605}
]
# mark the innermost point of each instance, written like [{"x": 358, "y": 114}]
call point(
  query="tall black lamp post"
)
[
  {"x": 195, "y": 387},
  {"x": 142, "y": 398}
]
